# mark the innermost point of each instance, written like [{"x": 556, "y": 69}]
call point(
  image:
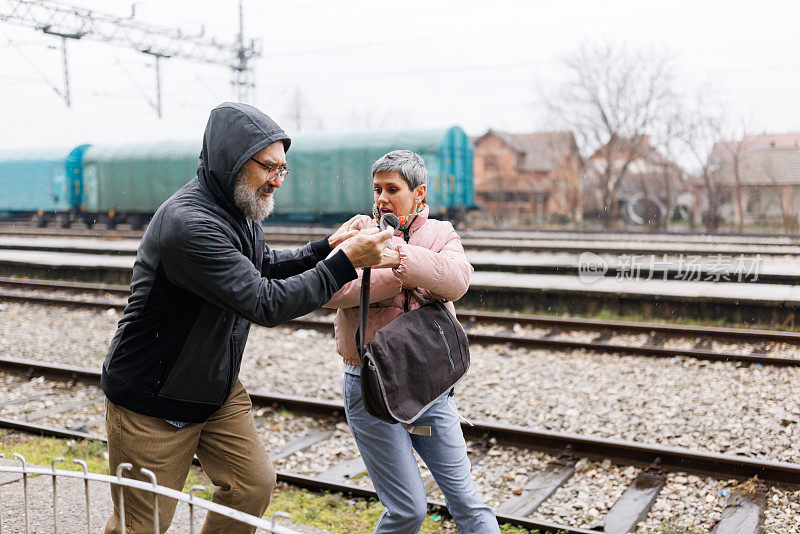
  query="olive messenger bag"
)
[{"x": 411, "y": 361}]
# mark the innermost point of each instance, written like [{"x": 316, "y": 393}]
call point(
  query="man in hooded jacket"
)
[{"x": 202, "y": 274}]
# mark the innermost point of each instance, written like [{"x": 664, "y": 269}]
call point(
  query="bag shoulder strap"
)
[{"x": 363, "y": 310}]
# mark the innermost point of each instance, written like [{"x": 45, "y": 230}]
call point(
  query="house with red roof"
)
[{"x": 528, "y": 179}]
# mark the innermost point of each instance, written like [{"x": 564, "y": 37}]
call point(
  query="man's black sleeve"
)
[
  {"x": 281, "y": 264},
  {"x": 202, "y": 259}
]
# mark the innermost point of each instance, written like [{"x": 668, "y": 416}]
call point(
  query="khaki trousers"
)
[{"x": 227, "y": 445}]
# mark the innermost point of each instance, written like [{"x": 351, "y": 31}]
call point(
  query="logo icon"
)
[{"x": 591, "y": 267}]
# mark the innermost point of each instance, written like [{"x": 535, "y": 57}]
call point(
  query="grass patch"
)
[
  {"x": 198, "y": 478},
  {"x": 338, "y": 513},
  {"x": 668, "y": 527},
  {"x": 333, "y": 511},
  {"x": 42, "y": 451}
]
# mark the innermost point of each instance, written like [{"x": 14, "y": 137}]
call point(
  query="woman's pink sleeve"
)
[
  {"x": 445, "y": 273},
  {"x": 383, "y": 285}
]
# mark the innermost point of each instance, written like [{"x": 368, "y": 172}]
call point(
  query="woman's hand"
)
[
  {"x": 344, "y": 232},
  {"x": 390, "y": 258},
  {"x": 366, "y": 248}
]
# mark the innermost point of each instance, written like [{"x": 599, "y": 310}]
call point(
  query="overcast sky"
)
[{"x": 412, "y": 64}]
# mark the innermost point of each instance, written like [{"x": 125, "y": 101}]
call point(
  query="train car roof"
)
[
  {"x": 418, "y": 140},
  {"x": 51, "y": 153},
  {"x": 429, "y": 140},
  {"x": 169, "y": 149}
]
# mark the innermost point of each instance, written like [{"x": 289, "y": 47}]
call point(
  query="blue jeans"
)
[{"x": 387, "y": 452}]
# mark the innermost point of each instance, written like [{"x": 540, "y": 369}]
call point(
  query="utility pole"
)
[
  {"x": 157, "y": 57},
  {"x": 67, "y": 97},
  {"x": 242, "y": 80},
  {"x": 69, "y": 22},
  {"x": 64, "y": 36}
]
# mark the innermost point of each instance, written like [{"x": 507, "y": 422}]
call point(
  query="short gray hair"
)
[{"x": 409, "y": 164}]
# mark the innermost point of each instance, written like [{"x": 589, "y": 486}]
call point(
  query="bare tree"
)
[
  {"x": 736, "y": 153},
  {"x": 702, "y": 127},
  {"x": 673, "y": 181},
  {"x": 369, "y": 119},
  {"x": 300, "y": 115},
  {"x": 739, "y": 154},
  {"x": 612, "y": 99},
  {"x": 298, "y": 109},
  {"x": 784, "y": 192},
  {"x": 567, "y": 174}
]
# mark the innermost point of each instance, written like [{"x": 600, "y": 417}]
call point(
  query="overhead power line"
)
[{"x": 68, "y": 22}]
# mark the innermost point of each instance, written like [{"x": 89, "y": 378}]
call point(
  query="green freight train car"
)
[
  {"x": 330, "y": 175},
  {"x": 128, "y": 182}
]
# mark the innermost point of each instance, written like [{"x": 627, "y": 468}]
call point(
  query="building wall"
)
[
  {"x": 510, "y": 197},
  {"x": 500, "y": 191},
  {"x": 495, "y": 164},
  {"x": 567, "y": 186}
]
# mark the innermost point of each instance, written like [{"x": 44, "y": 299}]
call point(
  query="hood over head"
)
[{"x": 235, "y": 132}]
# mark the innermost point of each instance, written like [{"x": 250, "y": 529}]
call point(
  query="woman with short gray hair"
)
[{"x": 425, "y": 257}]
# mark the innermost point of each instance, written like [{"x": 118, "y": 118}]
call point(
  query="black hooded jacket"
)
[{"x": 202, "y": 274}]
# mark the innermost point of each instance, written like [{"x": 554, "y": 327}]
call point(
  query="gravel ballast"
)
[{"x": 715, "y": 406}]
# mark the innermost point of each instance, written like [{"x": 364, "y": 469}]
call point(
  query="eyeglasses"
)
[{"x": 273, "y": 170}]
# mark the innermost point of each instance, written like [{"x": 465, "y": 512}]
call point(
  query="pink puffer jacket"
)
[{"x": 432, "y": 262}]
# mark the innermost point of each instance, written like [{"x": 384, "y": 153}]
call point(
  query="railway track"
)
[
  {"x": 73, "y": 391},
  {"x": 763, "y": 347},
  {"x": 495, "y": 241},
  {"x": 658, "y": 237},
  {"x": 19, "y": 253},
  {"x": 21, "y": 229},
  {"x": 620, "y": 248}
]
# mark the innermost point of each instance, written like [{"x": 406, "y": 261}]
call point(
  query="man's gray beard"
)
[{"x": 250, "y": 203}]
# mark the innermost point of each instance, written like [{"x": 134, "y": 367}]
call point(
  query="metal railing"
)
[{"x": 261, "y": 524}]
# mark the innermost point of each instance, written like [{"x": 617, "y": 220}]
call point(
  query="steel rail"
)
[
  {"x": 618, "y": 451},
  {"x": 524, "y": 341},
  {"x": 474, "y": 244},
  {"x": 17, "y": 228},
  {"x": 630, "y": 326},
  {"x": 61, "y": 300},
  {"x": 61, "y": 284},
  {"x": 70, "y": 232},
  {"x": 606, "y": 348},
  {"x": 640, "y": 350},
  {"x": 493, "y": 317},
  {"x": 578, "y": 246},
  {"x": 69, "y": 248}
]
